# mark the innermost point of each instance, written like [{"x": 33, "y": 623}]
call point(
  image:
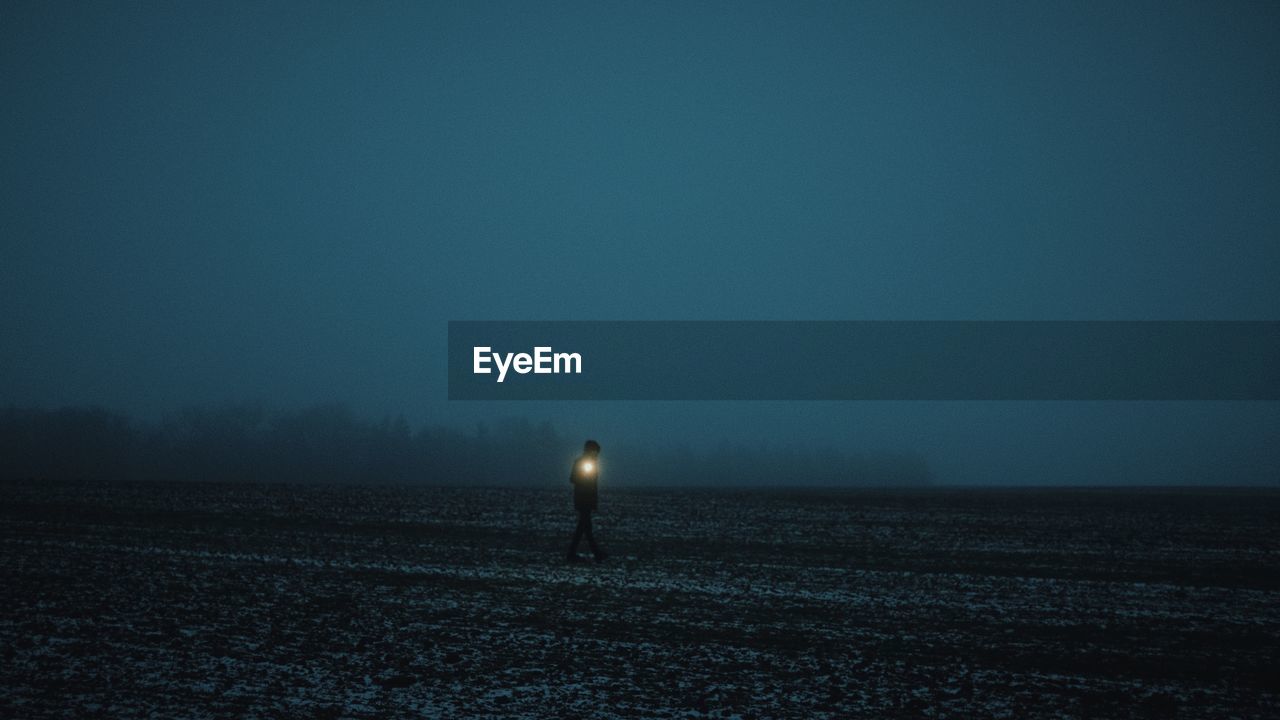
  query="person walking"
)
[{"x": 585, "y": 478}]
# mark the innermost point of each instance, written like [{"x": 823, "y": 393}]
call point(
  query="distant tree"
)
[{"x": 329, "y": 444}]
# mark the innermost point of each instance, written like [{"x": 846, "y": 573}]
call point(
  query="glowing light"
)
[{"x": 588, "y": 466}]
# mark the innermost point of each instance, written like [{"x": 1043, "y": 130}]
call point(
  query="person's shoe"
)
[
  {"x": 572, "y": 558},
  {"x": 602, "y": 556}
]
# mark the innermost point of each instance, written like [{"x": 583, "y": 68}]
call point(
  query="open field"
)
[{"x": 201, "y": 600}]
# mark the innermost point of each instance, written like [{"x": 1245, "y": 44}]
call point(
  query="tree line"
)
[{"x": 330, "y": 444}]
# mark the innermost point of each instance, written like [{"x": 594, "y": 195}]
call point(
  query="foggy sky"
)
[{"x": 284, "y": 203}]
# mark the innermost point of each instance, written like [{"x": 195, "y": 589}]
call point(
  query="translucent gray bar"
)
[{"x": 870, "y": 360}]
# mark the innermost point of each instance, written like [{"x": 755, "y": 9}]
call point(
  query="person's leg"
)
[
  {"x": 591, "y": 538},
  {"x": 577, "y": 535}
]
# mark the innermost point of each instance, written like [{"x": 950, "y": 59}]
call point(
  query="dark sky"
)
[{"x": 285, "y": 202}]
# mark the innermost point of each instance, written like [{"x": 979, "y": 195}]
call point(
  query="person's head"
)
[{"x": 591, "y": 448}]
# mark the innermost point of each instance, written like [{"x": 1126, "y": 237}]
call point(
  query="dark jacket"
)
[{"x": 584, "y": 483}]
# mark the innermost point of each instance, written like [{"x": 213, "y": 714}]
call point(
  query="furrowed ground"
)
[{"x": 203, "y": 600}]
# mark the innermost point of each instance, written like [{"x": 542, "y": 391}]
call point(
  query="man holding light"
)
[{"x": 584, "y": 477}]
